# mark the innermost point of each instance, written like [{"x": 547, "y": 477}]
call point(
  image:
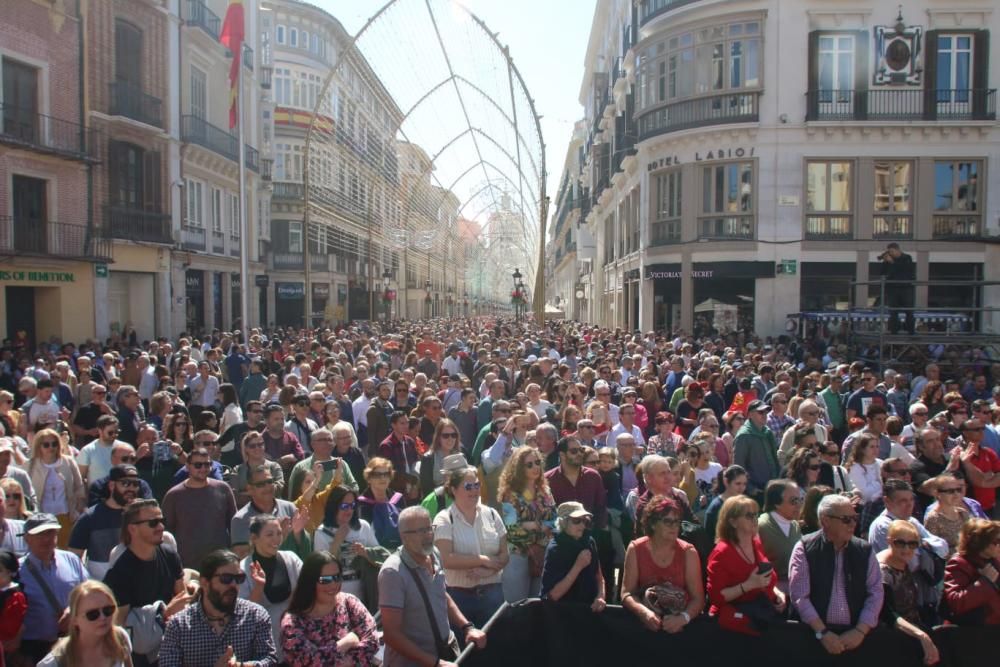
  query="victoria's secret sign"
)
[
  {"x": 703, "y": 156},
  {"x": 708, "y": 270}
]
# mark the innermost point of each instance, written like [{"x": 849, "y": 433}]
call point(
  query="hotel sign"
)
[{"x": 702, "y": 155}]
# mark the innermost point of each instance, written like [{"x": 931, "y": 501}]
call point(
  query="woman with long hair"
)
[
  {"x": 715, "y": 397},
  {"x": 57, "y": 481},
  {"x": 864, "y": 468},
  {"x": 932, "y": 396},
  {"x": 972, "y": 576},
  {"x": 15, "y": 499},
  {"x": 332, "y": 417},
  {"x": 445, "y": 442},
  {"x": 687, "y": 409},
  {"x": 351, "y": 539},
  {"x": 528, "y": 511},
  {"x": 946, "y": 517},
  {"x": 93, "y": 639},
  {"x": 809, "y": 516},
  {"x": 177, "y": 428},
  {"x": 324, "y": 625},
  {"x": 271, "y": 573},
  {"x": 803, "y": 468},
  {"x": 232, "y": 413},
  {"x": 649, "y": 397},
  {"x": 733, "y": 482}
]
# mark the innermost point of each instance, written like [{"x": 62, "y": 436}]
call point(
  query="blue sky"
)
[{"x": 547, "y": 40}]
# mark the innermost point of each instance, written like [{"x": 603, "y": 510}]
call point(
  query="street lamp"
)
[
  {"x": 386, "y": 295},
  {"x": 427, "y": 297},
  {"x": 517, "y": 293}
]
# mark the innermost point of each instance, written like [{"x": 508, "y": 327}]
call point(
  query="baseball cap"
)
[
  {"x": 122, "y": 470},
  {"x": 758, "y": 406},
  {"x": 572, "y": 510},
  {"x": 40, "y": 522}
]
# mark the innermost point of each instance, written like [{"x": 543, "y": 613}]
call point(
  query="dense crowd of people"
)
[{"x": 375, "y": 493}]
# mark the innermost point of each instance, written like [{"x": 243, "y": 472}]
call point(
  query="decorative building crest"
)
[{"x": 899, "y": 53}]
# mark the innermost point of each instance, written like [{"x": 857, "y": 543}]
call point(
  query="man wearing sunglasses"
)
[
  {"x": 843, "y": 613},
  {"x": 121, "y": 453},
  {"x": 96, "y": 532},
  {"x": 899, "y": 504},
  {"x": 981, "y": 465},
  {"x": 778, "y": 526},
  {"x": 192, "y": 637},
  {"x": 94, "y": 459},
  {"x": 199, "y": 510},
  {"x": 263, "y": 501}
]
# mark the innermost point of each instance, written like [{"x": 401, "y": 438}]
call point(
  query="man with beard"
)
[
  {"x": 219, "y": 628},
  {"x": 147, "y": 580},
  {"x": 97, "y": 530},
  {"x": 231, "y": 438},
  {"x": 411, "y": 585}
]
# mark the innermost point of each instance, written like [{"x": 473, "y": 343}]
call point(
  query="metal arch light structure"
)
[{"x": 521, "y": 183}]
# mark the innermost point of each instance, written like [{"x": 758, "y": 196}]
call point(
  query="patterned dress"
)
[
  {"x": 518, "y": 510},
  {"x": 312, "y": 642}
]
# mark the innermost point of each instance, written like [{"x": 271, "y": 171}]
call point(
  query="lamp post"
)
[
  {"x": 517, "y": 294},
  {"x": 451, "y": 298},
  {"x": 386, "y": 276},
  {"x": 427, "y": 297}
]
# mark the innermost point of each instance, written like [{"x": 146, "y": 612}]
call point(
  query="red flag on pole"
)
[{"x": 231, "y": 37}]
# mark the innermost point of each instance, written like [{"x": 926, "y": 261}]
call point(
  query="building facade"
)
[
  {"x": 732, "y": 184},
  {"x": 50, "y": 242}
]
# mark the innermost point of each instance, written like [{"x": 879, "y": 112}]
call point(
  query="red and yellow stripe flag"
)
[{"x": 231, "y": 37}]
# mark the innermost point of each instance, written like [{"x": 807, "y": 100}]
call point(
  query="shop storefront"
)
[
  {"x": 722, "y": 295},
  {"x": 320, "y": 299},
  {"x": 289, "y": 304},
  {"x": 194, "y": 291},
  {"x": 40, "y": 301}
]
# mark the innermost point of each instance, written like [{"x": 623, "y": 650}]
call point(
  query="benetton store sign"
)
[
  {"x": 709, "y": 270},
  {"x": 39, "y": 276}
]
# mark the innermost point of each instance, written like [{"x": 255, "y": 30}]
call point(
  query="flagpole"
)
[{"x": 244, "y": 232}]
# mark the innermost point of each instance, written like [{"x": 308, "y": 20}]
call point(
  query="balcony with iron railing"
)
[
  {"x": 665, "y": 232},
  {"x": 650, "y": 9},
  {"x": 726, "y": 228},
  {"x": 266, "y": 165},
  {"x": 957, "y": 227},
  {"x": 130, "y": 101},
  {"x": 27, "y": 236},
  {"x": 199, "y": 15},
  {"x": 828, "y": 228},
  {"x": 26, "y": 128},
  {"x": 130, "y": 224},
  {"x": 199, "y": 131},
  {"x": 700, "y": 112},
  {"x": 892, "y": 227},
  {"x": 901, "y": 104},
  {"x": 286, "y": 190},
  {"x": 193, "y": 237}
]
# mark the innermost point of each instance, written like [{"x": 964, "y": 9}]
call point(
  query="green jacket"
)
[
  {"x": 834, "y": 408},
  {"x": 756, "y": 450}
]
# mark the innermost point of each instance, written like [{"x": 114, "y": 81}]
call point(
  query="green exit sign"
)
[
  {"x": 788, "y": 267},
  {"x": 101, "y": 270}
]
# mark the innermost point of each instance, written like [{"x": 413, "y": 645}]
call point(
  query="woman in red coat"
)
[
  {"x": 972, "y": 576},
  {"x": 742, "y": 584}
]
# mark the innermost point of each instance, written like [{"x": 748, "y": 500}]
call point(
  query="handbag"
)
[
  {"x": 447, "y": 649},
  {"x": 536, "y": 559}
]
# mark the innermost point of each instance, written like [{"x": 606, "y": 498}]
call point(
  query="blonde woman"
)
[
  {"x": 15, "y": 500},
  {"x": 57, "y": 481},
  {"x": 93, "y": 639}
]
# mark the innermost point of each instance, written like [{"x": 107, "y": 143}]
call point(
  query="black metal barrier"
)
[{"x": 543, "y": 633}]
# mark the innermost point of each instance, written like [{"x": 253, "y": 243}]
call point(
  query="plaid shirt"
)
[
  {"x": 189, "y": 640},
  {"x": 777, "y": 424}
]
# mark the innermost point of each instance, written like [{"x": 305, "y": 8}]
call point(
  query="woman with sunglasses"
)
[
  {"x": 15, "y": 499},
  {"x": 446, "y": 441},
  {"x": 271, "y": 574},
  {"x": 571, "y": 570},
  {"x": 57, "y": 481},
  {"x": 947, "y": 516},
  {"x": 901, "y": 605},
  {"x": 808, "y": 419},
  {"x": 93, "y": 639},
  {"x": 380, "y": 506},
  {"x": 804, "y": 469},
  {"x": 661, "y": 580},
  {"x": 742, "y": 582},
  {"x": 472, "y": 540},
  {"x": 528, "y": 512},
  {"x": 177, "y": 428},
  {"x": 252, "y": 448},
  {"x": 325, "y": 625},
  {"x": 352, "y": 541}
]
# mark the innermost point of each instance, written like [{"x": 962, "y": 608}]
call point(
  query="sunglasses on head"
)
[
  {"x": 94, "y": 614},
  {"x": 905, "y": 544},
  {"x": 227, "y": 579},
  {"x": 327, "y": 579}
]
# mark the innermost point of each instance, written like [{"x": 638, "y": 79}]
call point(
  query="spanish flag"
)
[{"x": 231, "y": 37}]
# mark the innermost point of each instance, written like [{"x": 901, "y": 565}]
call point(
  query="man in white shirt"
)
[
  {"x": 204, "y": 387},
  {"x": 626, "y": 424},
  {"x": 94, "y": 459},
  {"x": 899, "y": 502},
  {"x": 148, "y": 382},
  {"x": 452, "y": 364},
  {"x": 537, "y": 404}
]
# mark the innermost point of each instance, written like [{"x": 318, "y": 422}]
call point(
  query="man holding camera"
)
[{"x": 899, "y": 271}]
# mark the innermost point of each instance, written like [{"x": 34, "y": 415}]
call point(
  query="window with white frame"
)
[
  {"x": 199, "y": 93},
  {"x": 728, "y": 208},
  {"x": 666, "y": 223},
  {"x": 305, "y": 39},
  {"x": 194, "y": 217},
  {"x": 893, "y": 205},
  {"x": 829, "y": 213},
  {"x": 279, "y": 34},
  {"x": 215, "y": 210},
  {"x": 294, "y": 237},
  {"x": 293, "y": 36},
  {"x": 234, "y": 215}
]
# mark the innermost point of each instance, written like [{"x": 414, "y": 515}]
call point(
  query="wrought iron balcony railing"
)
[
  {"x": 27, "y": 236},
  {"x": 128, "y": 100}
]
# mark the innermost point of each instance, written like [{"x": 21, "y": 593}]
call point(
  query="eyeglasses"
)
[
  {"x": 227, "y": 579},
  {"x": 425, "y": 530},
  {"x": 134, "y": 483},
  {"x": 200, "y": 464},
  {"x": 347, "y": 506},
  {"x": 152, "y": 523},
  {"x": 327, "y": 579},
  {"x": 449, "y": 436},
  {"x": 815, "y": 467},
  {"x": 94, "y": 614},
  {"x": 14, "y": 496},
  {"x": 905, "y": 544},
  {"x": 668, "y": 522},
  {"x": 262, "y": 483},
  {"x": 113, "y": 431},
  {"x": 532, "y": 464},
  {"x": 472, "y": 486},
  {"x": 49, "y": 444},
  {"x": 950, "y": 491},
  {"x": 573, "y": 451},
  {"x": 580, "y": 520},
  {"x": 253, "y": 444},
  {"x": 847, "y": 519},
  {"x": 379, "y": 474},
  {"x": 795, "y": 500}
]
